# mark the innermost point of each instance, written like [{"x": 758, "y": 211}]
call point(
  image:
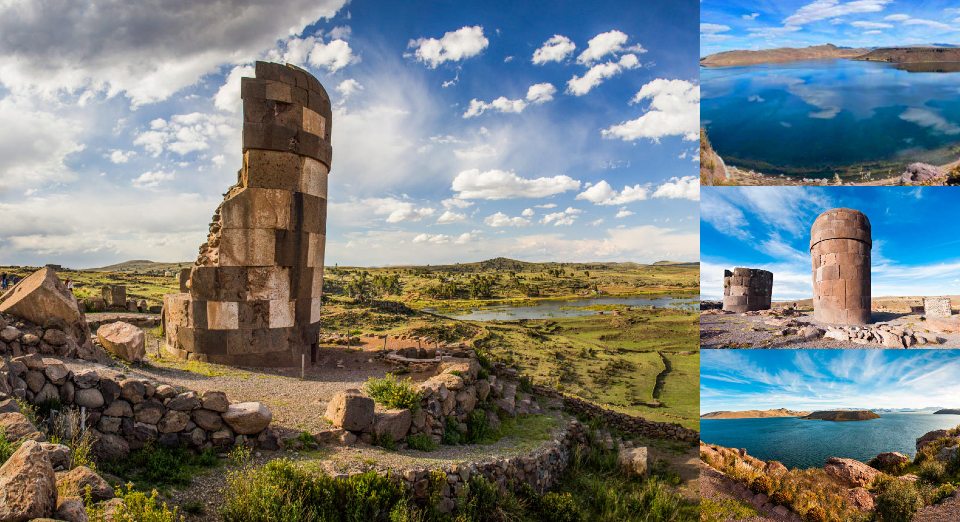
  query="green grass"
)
[
  {"x": 6, "y": 447},
  {"x": 725, "y": 509},
  {"x": 155, "y": 467}
]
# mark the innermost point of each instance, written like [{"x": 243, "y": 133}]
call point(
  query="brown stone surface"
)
[
  {"x": 747, "y": 289},
  {"x": 840, "y": 244},
  {"x": 42, "y": 298},
  {"x": 253, "y": 296}
]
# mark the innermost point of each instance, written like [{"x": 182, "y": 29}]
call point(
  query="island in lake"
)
[
  {"x": 947, "y": 411},
  {"x": 920, "y": 54},
  {"x": 842, "y": 415},
  {"x": 754, "y": 414}
]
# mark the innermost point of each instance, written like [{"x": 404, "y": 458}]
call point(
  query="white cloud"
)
[
  {"x": 332, "y": 56},
  {"x": 501, "y": 104},
  {"x": 117, "y": 156},
  {"x": 897, "y": 17},
  {"x": 467, "y": 237},
  {"x": 823, "y": 9},
  {"x": 437, "y": 239},
  {"x": 34, "y": 144},
  {"x": 450, "y": 216},
  {"x": 396, "y": 210},
  {"x": 930, "y": 119},
  {"x": 228, "y": 96},
  {"x": 456, "y": 203},
  {"x": 602, "y": 193},
  {"x": 871, "y": 25},
  {"x": 349, "y": 87},
  {"x": 686, "y": 187},
  {"x": 610, "y": 42},
  {"x": 623, "y": 212},
  {"x": 152, "y": 179},
  {"x": 541, "y": 92},
  {"x": 500, "y": 184},
  {"x": 502, "y": 220},
  {"x": 751, "y": 16},
  {"x": 454, "y": 46},
  {"x": 555, "y": 49},
  {"x": 527, "y": 212},
  {"x": 580, "y": 85},
  {"x": 565, "y": 218},
  {"x": 546, "y": 206},
  {"x": 674, "y": 111},
  {"x": 909, "y": 20},
  {"x": 139, "y": 50},
  {"x": 712, "y": 29},
  {"x": 185, "y": 133}
]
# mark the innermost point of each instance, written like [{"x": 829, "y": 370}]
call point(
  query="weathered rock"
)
[
  {"x": 30, "y": 339},
  {"x": 9, "y": 406},
  {"x": 35, "y": 380},
  {"x": 133, "y": 390},
  {"x": 207, "y": 419},
  {"x": 173, "y": 422},
  {"x": 110, "y": 446},
  {"x": 466, "y": 367},
  {"x": 165, "y": 391},
  {"x": 9, "y": 334},
  {"x": 148, "y": 412},
  {"x": 58, "y": 453},
  {"x": 123, "y": 340},
  {"x": 861, "y": 499},
  {"x": 393, "y": 423},
  {"x": 851, "y": 473},
  {"x": 248, "y": 418},
  {"x": 86, "y": 379},
  {"x": 55, "y": 337},
  {"x": 89, "y": 398},
  {"x": 42, "y": 297},
  {"x": 931, "y": 436},
  {"x": 28, "y": 486},
  {"x": 56, "y": 371},
  {"x": 222, "y": 438},
  {"x": 483, "y": 389},
  {"x": 70, "y": 509},
  {"x": 16, "y": 426},
  {"x": 919, "y": 173},
  {"x": 47, "y": 394},
  {"x": 185, "y": 401},
  {"x": 74, "y": 483},
  {"x": 351, "y": 410},
  {"x": 633, "y": 461},
  {"x": 119, "y": 408},
  {"x": 890, "y": 460},
  {"x": 215, "y": 401}
]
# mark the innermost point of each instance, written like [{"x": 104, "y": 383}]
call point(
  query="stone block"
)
[
  {"x": 315, "y": 249},
  {"x": 282, "y": 313},
  {"x": 268, "y": 283},
  {"x": 247, "y": 247},
  {"x": 313, "y": 122},
  {"x": 314, "y": 178},
  {"x": 254, "y": 314},
  {"x": 223, "y": 315},
  {"x": 271, "y": 169},
  {"x": 314, "y": 213},
  {"x": 258, "y": 208}
]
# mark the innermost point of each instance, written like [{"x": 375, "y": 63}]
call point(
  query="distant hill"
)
[
  {"x": 842, "y": 415},
  {"x": 779, "y": 55},
  {"x": 507, "y": 264},
  {"x": 948, "y": 411},
  {"x": 754, "y": 414},
  {"x": 912, "y": 55},
  {"x": 141, "y": 266},
  {"x": 686, "y": 264}
]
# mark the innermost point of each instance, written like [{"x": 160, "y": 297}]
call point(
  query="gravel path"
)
[
  {"x": 946, "y": 511},
  {"x": 751, "y": 331}
]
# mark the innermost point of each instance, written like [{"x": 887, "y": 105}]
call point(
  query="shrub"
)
[
  {"x": 393, "y": 392},
  {"x": 559, "y": 507},
  {"x": 942, "y": 493},
  {"x": 761, "y": 484},
  {"x": 385, "y": 441},
  {"x": 159, "y": 467},
  {"x": 482, "y": 501},
  {"x": 65, "y": 428},
  {"x": 478, "y": 428},
  {"x": 932, "y": 471},
  {"x": 421, "y": 442},
  {"x": 815, "y": 514},
  {"x": 6, "y": 447},
  {"x": 451, "y": 432},
  {"x": 526, "y": 384},
  {"x": 897, "y": 500},
  {"x": 136, "y": 507},
  {"x": 281, "y": 490}
]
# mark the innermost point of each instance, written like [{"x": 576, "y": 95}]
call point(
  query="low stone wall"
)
[
  {"x": 126, "y": 414},
  {"x": 621, "y": 421},
  {"x": 21, "y": 337}
]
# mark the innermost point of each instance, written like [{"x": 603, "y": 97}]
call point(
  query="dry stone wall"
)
[
  {"x": 253, "y": 296},
  {"x": 747, "y": 289},
  {"x": 840, "y": 244},
  {"x": 937, "y": 307},
  {"x": 126, "y": 414}
]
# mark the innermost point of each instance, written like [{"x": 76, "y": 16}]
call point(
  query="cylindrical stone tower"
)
[
  {"x": 747, "y": 289},
  {"x": 253, "y": 296},
  {"x": 840, "y": 244}
]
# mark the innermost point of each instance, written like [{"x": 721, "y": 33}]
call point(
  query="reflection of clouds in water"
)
[
  {"x": 785, "y": 124},
  {"x": 826, "y": 114},
  {"x": 930, "y": 119},
  {"x": 755, "y": 98}
]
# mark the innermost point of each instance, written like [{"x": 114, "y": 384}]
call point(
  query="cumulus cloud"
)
[
  {"x": 437, "y": 239},
  {"x": 331, "y": 56},
  {"x": 454, "y": 46},
  {"x": 686, "y": 187},
  {"x": 622, "y": 213},
  {"x": 396, "y": 210},
  {"x": 909, "y": 20},
  {"x": 47, "y": 49},
  {"x": 527, "y": 212},
  {"x": 610, "y": 42},
  {"x": 502, "y": 220},
  {"x": 500, "y": 184},
  {"x": 450, "y": 216},
  {"x": 674, "y": 110},
  {"x": 152, "y": 179},
  {"x": 541, "y": 92},
  {"x": 751, "y": 16},
  {"x": 564, "y": 218},
  {"x": 117, "y": 156},
  {"x": 35, "y": 144},
  {"x": 349, "y": 87},
  {"x": 870, "y": 25},
  {"x": 184, "y": 133},
  {"x": 555, "y": 49},
  {"x": 823, "y": 9},
  {"x": 602, "y": 193},
  {"x": 228, "y": 96},
  {"x": 537, "y": 93},
  {"x": 580, "y": 85}
]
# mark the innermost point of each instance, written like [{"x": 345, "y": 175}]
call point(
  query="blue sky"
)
[
  {"x": 916, "y": 249},
  {"x": 825, "y": 379},
  {"x": 751, "y": 24},
  {"x": 462, "y": 131}
]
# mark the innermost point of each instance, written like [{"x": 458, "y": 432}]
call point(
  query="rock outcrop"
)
[
  {"x": 851, "y": 473},
  {"x": 28, "y": 487}
]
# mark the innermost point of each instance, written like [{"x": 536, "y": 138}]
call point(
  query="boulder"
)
[
  {"x": 248, "y": 418},
  {"x": 207, "y": 419},
  {"x": 466, "y": 367},
  {"x": 56, "y": 371},
  {"x": 109, "y": 446},
  {"x": 174, "y": 421},
  {"x": 119, "y": 408},
  {"x": 70, "y": 509},
  {"x": 89, "y": 398},
  {"x": 633, "y": 461},
  {"x": 42, "y": 297},
  {"x": 920, "y": 173},
  {"x": 351, "y": 410},
  {"x": 861, "y": 498},
  {"x": 132, "y": 390},
  {"x": 28, "y": 486},
  {"x": 58, "y": 453},
  {"x": 123, "y": 340},
  {"x": 851, "y": 473},
  {"x": 74, "y": 483},
  {"x": 393, "y": 423},
  {"x": 222, "y": 438},
  {"x": 86, "y": 378},
  {"x": 16, "y": 426},
  {"x": 215, "y": 401},
  {"x": 149, "y": 412},
  {"x": 890, "y": 460},
  {"x": 930, "y": 437},
  {"x": 9, "y": 406},
  {"x": 185, "y": 401},
  {"x": 165, "y": 391},
  {"x": 55, "y": 337}
]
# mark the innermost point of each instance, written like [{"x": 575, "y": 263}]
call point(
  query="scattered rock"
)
[
  {"x": 248, "y": 418},
  {"x": 28, "y": 486},
  {"x": 851, "y": 473},
  {"x": 123, "y": 340},
  {"x": 633, "y": 461},
  {"x": 74, "y": 483},
  {"x": 393, "y": 423},
  {"x": 351, "y": 410}
]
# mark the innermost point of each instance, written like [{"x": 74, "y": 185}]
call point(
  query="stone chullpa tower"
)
[
  {"x": 840, "y": 243},
  {"x": 747, "y": 289},
  {"x": 253, "y": 296}
]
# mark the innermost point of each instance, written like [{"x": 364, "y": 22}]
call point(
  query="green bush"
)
[
  {"x": 932, "y": 471},
  {"x": 281, "y": 490},
  {"x": 159, "y": 467},
  {"x": 943, "y": 492},
  {"x": 481, "y": 501},
  {"x": 393, "y": 392},
  {"x": 478, "y": 428},
  {"x": 451, "y": 432},
  {"x": 6, "y": 447},
  {"x": 761, "y": 484},
  {"x": 559, "y": 507},
  {"x": 525, "y": 385},
  {"x": 421, "y": 442},
  {"x": 897, "y": 500},
  {"x": 136, "y": 507}
]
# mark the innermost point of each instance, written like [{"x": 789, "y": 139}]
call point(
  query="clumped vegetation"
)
[
  {"x": 394, "y": 392},
  {"x": 421, "y": 442},
  {"x": 161, "y": 468},
  {"x": 137, "y": 506},
  {"x": 897, "y": 500}
]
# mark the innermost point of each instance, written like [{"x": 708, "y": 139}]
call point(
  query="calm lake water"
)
[
  {"x": 809, "y": 443},
  {"x": 567, "y": 308},
  {"x": 806, "y": 118}
]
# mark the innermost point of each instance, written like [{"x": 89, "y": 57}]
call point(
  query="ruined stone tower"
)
[
  {"x": 747, "y": 289},
  {"x": 253, "y": 296},
  {"x": 840, "y": 244}
]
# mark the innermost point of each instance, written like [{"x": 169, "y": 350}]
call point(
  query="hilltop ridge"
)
[
  {"x": 780, "y": 55},
  {"x": 754, "y": 414}
]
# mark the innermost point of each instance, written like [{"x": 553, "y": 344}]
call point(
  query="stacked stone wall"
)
[
  {"x": 253, "y": 296},
  {"x": 840, "y": 244},
  {"x": 747, "y": 289},
  {"x": 937, "y": 307}
]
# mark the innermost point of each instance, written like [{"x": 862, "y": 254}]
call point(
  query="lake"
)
[
  {"x": 554, "y": 308},
  {"x": 808, "y": 443},
  {"x": 813, "y": 118}
]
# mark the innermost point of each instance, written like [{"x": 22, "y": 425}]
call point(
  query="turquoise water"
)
[
  {"x": 809, "y": 443},
  {"x": 809, "y": 118},
  {"x": 547, "y": 309}
]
